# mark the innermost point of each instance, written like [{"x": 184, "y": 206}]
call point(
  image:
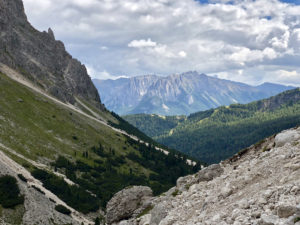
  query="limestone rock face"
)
[
  {"x": 42, "y": 59},
  {"x": 260, "y": 187},
  {"x": 128, "y": 202}
]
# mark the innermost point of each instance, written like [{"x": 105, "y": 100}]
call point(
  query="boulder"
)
[
  {"x": 267, "y": 220},
  {"x": 144, "y": 220},
  {"x": 124, "y": 203},
  {"x": 210, "y": 172},
  {"x": 287, "y": 136},
  {"x": 285, "y": 211},
  {"x": 158, "y": 213}
]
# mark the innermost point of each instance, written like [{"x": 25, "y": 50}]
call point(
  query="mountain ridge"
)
[
  {"x": 178, "y": 94},
  {"x": 42, "y": 59}
]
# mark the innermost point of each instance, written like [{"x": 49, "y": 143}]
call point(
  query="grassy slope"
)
[
  {"x": 215, "y": 135},
  {"x": 41, "y": 130},
  {"x": 38, "y": 128}
]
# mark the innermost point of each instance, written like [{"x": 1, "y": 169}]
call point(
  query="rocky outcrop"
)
[
  {"x": 42, "y": 59},
  {"x": 128, "y": 203},
  {"x": 259, "y": 186},
  {"x": 37, "y": 209},
  {"x": 210, "y": 173},
  {"x": 288, "y": 136}
]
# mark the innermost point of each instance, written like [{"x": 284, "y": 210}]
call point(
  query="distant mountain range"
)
[
  {"x": 178, "y": 94},
  {"x": 217, "y": 134}
]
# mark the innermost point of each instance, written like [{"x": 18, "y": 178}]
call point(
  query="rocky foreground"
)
[{"x": 260, "y": 185}]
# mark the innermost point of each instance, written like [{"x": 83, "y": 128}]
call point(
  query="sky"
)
[{"x": 250, "y": 41}]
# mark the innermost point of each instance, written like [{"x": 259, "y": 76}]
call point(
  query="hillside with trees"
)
[{"x": 216, "y": 134}]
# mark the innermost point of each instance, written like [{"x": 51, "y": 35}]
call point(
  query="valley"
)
[
  {"x": 194, "y": 149},
  {"x": 216, "y": 134}
]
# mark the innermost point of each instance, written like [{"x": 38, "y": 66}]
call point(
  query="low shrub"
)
[
  {"x": 176, "y": 192},
  {"x": 22, "y": 178},
  {"x": 62, "y": 209},
  {"x": 145, "y": 211},
  {"x": 10, "y": 192},
  {"x": 38, "y": 189}
]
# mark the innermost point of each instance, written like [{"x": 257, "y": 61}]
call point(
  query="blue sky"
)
[
  {"x": 296, "y": 2},
  {"x": 242, "y": 40}
]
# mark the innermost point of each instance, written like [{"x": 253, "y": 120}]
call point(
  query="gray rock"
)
[
  {"x": 158, "y": 213},
  {"x": 42, "y": 59},
  {"x": 184, "y": 182},
  {"x": 126, "y": 202},
  {"x": 210, "y": 173},
  {"x": 287, "y": 136},
  {"x": 226, "y": 191},
  {"x": 267, "y": 220},
  {"x": 285, "y": 211},
  {"x": 144, "y": 220}
]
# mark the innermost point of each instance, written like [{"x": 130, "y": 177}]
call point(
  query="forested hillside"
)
[{"x": 217, "y": 134}]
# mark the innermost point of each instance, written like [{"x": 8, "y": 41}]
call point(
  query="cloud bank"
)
[{"x": 248, "y": 41}]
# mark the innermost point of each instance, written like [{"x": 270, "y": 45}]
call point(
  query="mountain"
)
[
  {"x": 42, "y": 59},
  {"x": 217, "y": 134},
  {"x": 62, "y": 154},
  {"x": 179, "y": 94},
  {"x": 260, "y": 185}
]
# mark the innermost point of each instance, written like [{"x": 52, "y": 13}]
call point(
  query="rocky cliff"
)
[
  {"x": 258, "y": 186},
  {"x": 42, "y": 59},
  {"x": 178, "y": 94}
]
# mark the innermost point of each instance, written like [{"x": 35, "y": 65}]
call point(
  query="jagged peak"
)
[
  {"x": 51, "y": 33},
  {"x": 42, "y": 59}
]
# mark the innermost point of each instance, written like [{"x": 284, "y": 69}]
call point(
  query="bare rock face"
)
[
  {"x": 127, "y": 202},
  {"x": 288, "y": 136},
  {"x": 260, "y": 187},
  {"x": 42, "y": 59}
]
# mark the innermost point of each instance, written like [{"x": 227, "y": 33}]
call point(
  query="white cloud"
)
[
  {"x": 182, "y": 54},
  {"x": 260, "y": 37},
  {"x": 103, "y": 75},
  {"x": 142, "y": 43},
  {"x": 104, "y": 48},
  {"x": 288, "y": 77}
]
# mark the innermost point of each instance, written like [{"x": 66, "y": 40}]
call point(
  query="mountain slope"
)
[
  {"x": 69, "y": 154},
  {"x": 217, "y": 134},
  {"x": 42, "y": 134},
  {"x": 42, "y": 59},
  {"x": 178, "y": 94},
  {"x": 258, "y": 186}
]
